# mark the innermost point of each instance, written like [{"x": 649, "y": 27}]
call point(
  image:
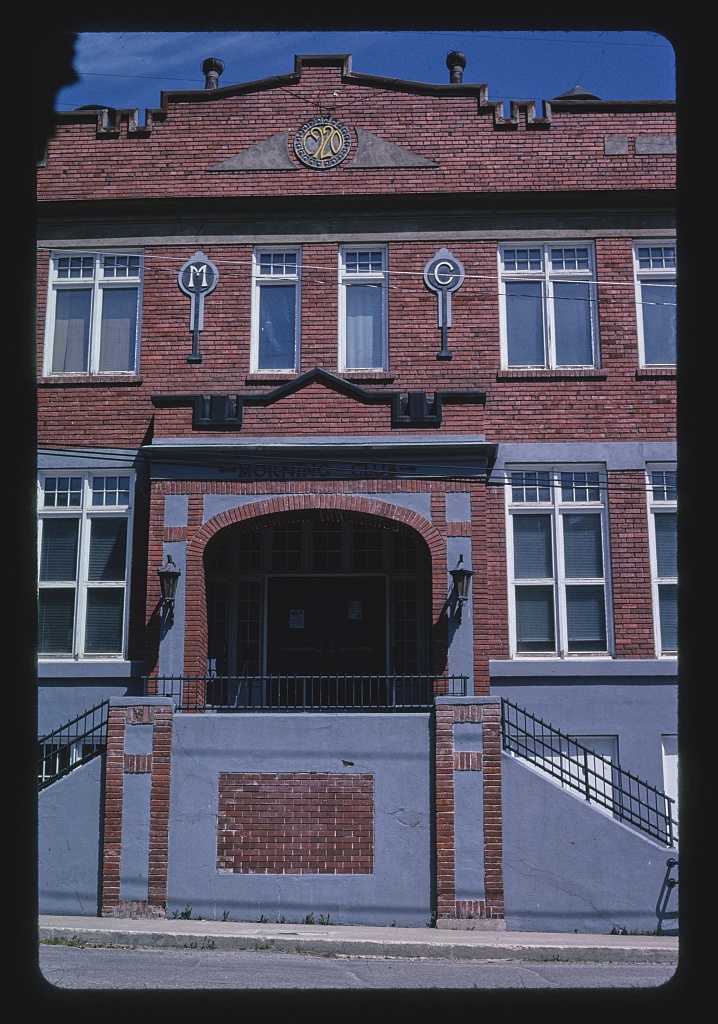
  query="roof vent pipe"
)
[
  {"x": 456, "y": 62},
  {"x": 212, "y": 68}
]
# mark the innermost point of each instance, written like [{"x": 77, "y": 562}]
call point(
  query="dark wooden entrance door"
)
[
  {"x": 326, "y": 625},
  {"x": 330, "y": 627}
]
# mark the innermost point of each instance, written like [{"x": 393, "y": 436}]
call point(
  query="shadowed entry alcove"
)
[{"x": 322, "y": 595}]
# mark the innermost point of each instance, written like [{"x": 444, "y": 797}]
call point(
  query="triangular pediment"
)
[{"x": 272, "y": 154}]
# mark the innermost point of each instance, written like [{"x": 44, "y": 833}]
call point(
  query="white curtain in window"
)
[
  {"x": 363, "y": 326},
  {"x": 71, "y": 341},
  {"x": 119, "y": 329}
]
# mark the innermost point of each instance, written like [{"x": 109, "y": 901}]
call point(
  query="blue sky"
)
[{"x": 131, "y": 69}]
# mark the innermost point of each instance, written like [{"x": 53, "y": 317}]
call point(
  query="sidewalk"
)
[{"x": 362, "y": 940}]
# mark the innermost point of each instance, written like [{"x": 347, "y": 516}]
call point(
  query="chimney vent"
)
[
  {"x": 456, "y": 62},
  {"x": 212, "y": 68}
]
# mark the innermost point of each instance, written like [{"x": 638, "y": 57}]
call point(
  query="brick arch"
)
[{"x": 196, "y": 637}]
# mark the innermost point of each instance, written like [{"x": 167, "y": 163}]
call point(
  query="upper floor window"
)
[
  {"x": 275, "y": 309},
  {"x": 363, "y": 309},
  {"x": 84, "y": 547},
  {"x": 663, "y": 517},
  {"x": 548, "y": 305},
  {"x": 558, "y": 561},
  {"x": 655, "y": 269},
  {"x": 93, "y": 322}
]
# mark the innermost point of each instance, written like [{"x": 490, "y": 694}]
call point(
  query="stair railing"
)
[
  {"x": 597, "y": 778},
  {"x": 72, "y": 744}
]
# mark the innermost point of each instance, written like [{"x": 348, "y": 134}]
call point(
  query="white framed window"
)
[
  {"x": 94, "y": 305},
  {"x": 654, "y": 266},
  {"x": 663, "y": 533},
  {"x": 669, "y": 745},
  {"x": 558, "y": 561},
  {"x": 276, "y": 309},
  {"x": 83, "y": 559},
  {"x": 547, "y": 310},
  {"x": 363, "y": 308}
]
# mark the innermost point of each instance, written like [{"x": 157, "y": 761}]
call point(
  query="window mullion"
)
[
  {"x": 83, "y": 561},
  {"x": 549, "y": 322},
  {"x": 95, "y": 327},
  {"x": 560, "y": 570}
]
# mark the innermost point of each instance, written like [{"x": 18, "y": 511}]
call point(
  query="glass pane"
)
[
  {"x": 524, "y": 323},
  {"x": 666, "y": 544},
  {"x": 286, "y": 547},
  {"x": 248, "y": 627},
  {"x": 367, "y": 550},
  {"x": 326, "y": 546},
  {"x": 108, "y": 546},
  {"x": 659, "y": 322},
  {"x": 580, "y": 486},
  {"x": 119, "y": 329},
  {"x": 534, "y": 620},
  {"x": 582, "y": 546},
  {"x": 71, "y": 341},
  {"x": 110, "y": 490},
  {"x": 277, "y": 327},
  {"x": 668, "y": 616},
  {"x": 63, "y": 492},
  {"x": 58, "y": 554},
  {"x": 533, "y": 550},
  {"x": 56, "y": 616},
  {"x": 364, "y": 326},
  {"x": 572, "y": 319},
  {"x": 664, "y": 485},
  {"x": 522, "y": 259},
  {"x": 277, "y": 264},
  {"x": 586, "y": 619},
  {"x": 248, "y": 547},
  {"x": 530, "y": 485},
  {"x": 105, "y": 612}
]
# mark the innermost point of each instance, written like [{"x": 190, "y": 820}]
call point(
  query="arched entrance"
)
[{"x": 327, "y": 607}]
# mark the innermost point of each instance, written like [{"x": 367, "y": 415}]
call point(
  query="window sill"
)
[
  {"x": 90, "y": 380},
  {"x": 275, "y": 377},
  {"x": 61, "y": 667},
  {"x": 367, "y": 376},
  {"x": 656, "y": 373},
  {"x": 557, "y": 373}
]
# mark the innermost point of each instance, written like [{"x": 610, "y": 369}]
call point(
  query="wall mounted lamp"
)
[
  {"x": 461, "y": 577},
  {"x": 168, "y": 574}
]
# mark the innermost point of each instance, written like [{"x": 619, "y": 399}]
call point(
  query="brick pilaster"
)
[
  {"x": 488, "y": 762},
  {"x": 118, "y": 765}
]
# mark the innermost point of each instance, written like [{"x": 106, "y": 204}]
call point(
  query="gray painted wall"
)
[
  {"x": 61, "y": 699},
  {"x": 639, "y": 710},
  {"x": 69, "y": 843},
  {"x": 395, "y": 747},
  {"x": 569, "y": 867}
]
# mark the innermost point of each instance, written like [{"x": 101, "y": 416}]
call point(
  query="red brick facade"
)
[
  {"x": 465, "y": 178},
  {"x": 295, "y": 823}
]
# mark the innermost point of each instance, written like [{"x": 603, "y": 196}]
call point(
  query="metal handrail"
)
[
  {"x": 596, "y": 778},
  {"x": 70, "y": 745},
  {"x": 410, "y": 692}
]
